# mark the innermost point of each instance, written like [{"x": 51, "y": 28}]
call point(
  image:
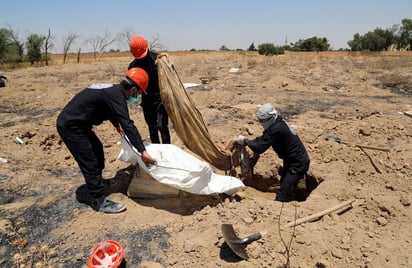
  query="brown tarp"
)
[{"x": 186, "y": 118}]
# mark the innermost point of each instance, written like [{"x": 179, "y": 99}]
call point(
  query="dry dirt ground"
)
[{"x": 360, "y": 98}]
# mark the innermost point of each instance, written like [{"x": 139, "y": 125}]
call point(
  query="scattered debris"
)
[
  {"x": 19, "y": 141},
  {"x": 234, "y": 70}
]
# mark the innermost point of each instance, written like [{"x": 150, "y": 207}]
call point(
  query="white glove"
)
[{"x": 240, "y": 140}]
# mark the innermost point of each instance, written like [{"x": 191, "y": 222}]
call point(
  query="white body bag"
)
[{"x": 180, "y": 170}]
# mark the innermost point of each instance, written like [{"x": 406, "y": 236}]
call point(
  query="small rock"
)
[
  {"x": 405, "y": 201},
  {"x": 382, "y": 221},
  {"x": 189, "y": 246},
  {"x": 322, "y": 264},
  {"x": 390, "y": 187},
  {"x": 365, "y": 131},
  {"x": 248, "y": 220},
  {"x": 337, "y": 253}
]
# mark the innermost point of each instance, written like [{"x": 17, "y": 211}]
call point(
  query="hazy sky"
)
[{"x": 204, "y": 24}]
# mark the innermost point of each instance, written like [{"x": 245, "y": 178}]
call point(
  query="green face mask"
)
[{"x": 134, "y": 99}]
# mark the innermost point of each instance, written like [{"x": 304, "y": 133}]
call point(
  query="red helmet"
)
[
  {"x": 139, "y": 76},
  {"x": 108, "y": 253},
  {"x": 139, "y": 46}
]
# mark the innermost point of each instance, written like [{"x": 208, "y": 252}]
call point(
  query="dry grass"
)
[{"x": 387, "y": 60}]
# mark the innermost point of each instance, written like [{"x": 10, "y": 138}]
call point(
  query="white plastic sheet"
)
[{"x": 181, "y": 170}]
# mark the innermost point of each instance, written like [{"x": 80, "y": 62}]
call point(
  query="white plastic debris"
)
[
  {"x": 19, "y": 140},
  {"x": 188, "y": 85}
]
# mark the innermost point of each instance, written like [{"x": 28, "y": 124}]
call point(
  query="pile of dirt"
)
[{"x": 358, "y": 98}]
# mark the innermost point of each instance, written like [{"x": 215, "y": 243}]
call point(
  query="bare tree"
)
[
  {"x": 99, "y": 44},
  {"x": 124, "y": 37},
  {"x": 48, "y": 45},
  {"x": 67, "y": 42},
  {"x": 156, "y": 44}
]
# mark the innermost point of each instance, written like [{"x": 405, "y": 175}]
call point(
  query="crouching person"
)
[
  {"x": 287, "y": 145},
  {"x": 90, "y": 107}
]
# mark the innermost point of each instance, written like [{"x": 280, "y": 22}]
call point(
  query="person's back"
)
[
  {"x": 148, "y": 63},
  {"x": 286, "y": 143}
]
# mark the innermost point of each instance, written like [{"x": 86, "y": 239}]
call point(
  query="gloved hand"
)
[{"x": 240, "y": 140}]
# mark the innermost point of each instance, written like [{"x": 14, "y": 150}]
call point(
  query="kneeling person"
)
[{"x": 287, "y": 145}]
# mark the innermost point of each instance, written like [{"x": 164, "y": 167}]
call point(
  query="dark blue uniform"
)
[
  {"x": 288, "y": 146},
  {"x": 154, "y": 112},
  {"x": 89, "y": 108}
]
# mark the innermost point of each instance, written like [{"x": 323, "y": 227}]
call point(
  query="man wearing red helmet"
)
[
  {"x": 154, "y": 112},
  {"x": 90, "y": 107}
]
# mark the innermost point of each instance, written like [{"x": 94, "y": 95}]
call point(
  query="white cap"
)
[{"x": 266, "y": 111}]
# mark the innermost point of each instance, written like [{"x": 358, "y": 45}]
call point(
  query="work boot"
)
[{"x": 109, "y": 206}]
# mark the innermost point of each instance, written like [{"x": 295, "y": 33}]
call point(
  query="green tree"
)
[
  {"x": 377, "y": 40},
  {"x": 11, "y": 49},
  {"x": 355, "y": 44},
  {"x": 311, "y": 44},
  {"x": 404, "y": 36},
  {"x": 381, "y": 39},
  {"x": 4, "y": 44},
  {"x": 269, "y": 49},
  {"x": 34, "y": 44}
]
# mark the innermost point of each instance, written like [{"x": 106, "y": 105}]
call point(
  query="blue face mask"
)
[{"x": 134, "y": 99}]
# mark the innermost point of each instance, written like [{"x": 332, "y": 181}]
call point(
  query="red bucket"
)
[{"x": 106, "y": 254}]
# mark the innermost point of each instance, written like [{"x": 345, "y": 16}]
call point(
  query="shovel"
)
[
  {"x": 238, "y": 245},
  {"x": 339, "y": 140}
]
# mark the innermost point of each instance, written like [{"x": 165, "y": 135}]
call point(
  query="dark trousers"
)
[
  {"x": 87, "y": 150},
  {"x": 292, "y": 174},
  {"x": 157, "y": 120}
]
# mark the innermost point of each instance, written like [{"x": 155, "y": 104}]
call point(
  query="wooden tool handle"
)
[
  {"x": 372, "y": 147},
  {"x": 322, "y": 213},
  {"x": 364, "y": 146}
]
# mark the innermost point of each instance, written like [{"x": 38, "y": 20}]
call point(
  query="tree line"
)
[
  {"x": 399, "y": 37},
  {"x": 36, "y": 47}
]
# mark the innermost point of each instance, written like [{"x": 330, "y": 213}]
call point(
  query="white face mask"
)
[{"x": 267, "y": 123}]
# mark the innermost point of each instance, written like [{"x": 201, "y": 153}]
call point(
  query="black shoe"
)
[{"x": 109, "y": 206}]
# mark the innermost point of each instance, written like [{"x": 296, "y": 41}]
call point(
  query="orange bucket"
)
[{"x": 106, "y": 254}]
